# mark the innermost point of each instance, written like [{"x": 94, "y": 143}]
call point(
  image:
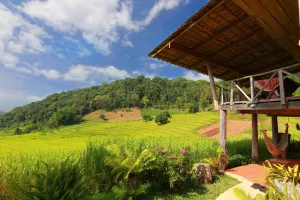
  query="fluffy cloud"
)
[
  {"x": 195, "y": 76},
  {"x": 98, "y": 21},
  {"x": 152, "y": 63},
  {"x": 83, "y": 73},
  {"x": 18, "y": 36}
]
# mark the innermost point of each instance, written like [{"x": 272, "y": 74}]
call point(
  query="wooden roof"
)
[{"x": 236, "y": 37}]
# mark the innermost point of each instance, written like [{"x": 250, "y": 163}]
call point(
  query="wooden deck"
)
[{"x": 268, "y": 107}]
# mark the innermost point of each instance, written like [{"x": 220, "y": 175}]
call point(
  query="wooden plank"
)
[
  {"x": 274, "y": 129},
  {"x": 254, "y": 137},
  {"x": 231, "y": 94},
  {"x": 287, "y": 112},
  {"x": 213, "y": 87},
  {"x": 223, "y": 134}
]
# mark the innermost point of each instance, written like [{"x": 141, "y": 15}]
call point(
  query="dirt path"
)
[
  {"x": 119, "y": 115},
  {"x": 234, "y": 127}
]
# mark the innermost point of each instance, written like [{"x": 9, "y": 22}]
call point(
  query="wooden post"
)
[
  {"x": 213, "y": 87},
  {"x": 254, "y": 137},
  {"x": 281, "y": 87},
  {"x": 223, "y": 138},
  {"x": 252, "y": 88},
  {"x": 274, "y": 129}
]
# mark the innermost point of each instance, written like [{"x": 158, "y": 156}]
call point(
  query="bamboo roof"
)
[{"x": 236, "y": 37}]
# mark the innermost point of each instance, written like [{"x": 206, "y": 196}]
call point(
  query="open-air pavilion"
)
[{"x": 243, "y": 42}]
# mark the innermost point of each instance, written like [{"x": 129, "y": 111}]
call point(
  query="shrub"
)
[
  {"x": 102, "y": 116},
  {"x": 163, "y": 118},
  {"x": 174, "y": 170},
  {"x": 147, "y": 118},
  {"x": 63, "y": 180},
  {"x": 18, "y": 131},
  {"x": 30, "y": 128},
  {"x": 193, "y": 108}
]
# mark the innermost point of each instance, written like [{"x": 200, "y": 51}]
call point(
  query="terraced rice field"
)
[{"x": 74, "y": 137}]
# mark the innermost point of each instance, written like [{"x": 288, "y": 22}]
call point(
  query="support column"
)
[
  {"x": 223, "y": 138},
  {"x": 213, "y": 87},
  {"x": 274, "y": 130},
  {"x": 254, "y": 137}
]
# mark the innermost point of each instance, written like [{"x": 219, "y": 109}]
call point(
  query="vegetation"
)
[
  {"x": 163, "y": 117},
  {"x": 158, "y": 92},
  {"x": 193, "y": 108},
  {"x": 147, "y": 117},
  {"x": 102, "y": 116}
]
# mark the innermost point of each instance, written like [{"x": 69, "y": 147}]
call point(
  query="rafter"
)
[{"x": 216, "y": 35}]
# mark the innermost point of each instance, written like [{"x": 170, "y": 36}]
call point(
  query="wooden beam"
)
[
  {"x": 254, "y": 137},
  {"x": 213, "y": 87},
  {"x": 274, "y": 129},
  {"x": 281, "y": 87},
  {"x": 266, "y": 84},
  {"x": 223, "y": 136},
  {"x": 283, "y": 112},
  {"x": 252, "y": 88},
  {"x": 276, "y": 22},
  {"x": 191, "y": 52}
]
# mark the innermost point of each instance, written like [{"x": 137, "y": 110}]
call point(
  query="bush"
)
[
  {"x": 63, "y": 180},
  {"x": 193, "y": 108},
  {"x": 147, "y": 118},
  {"x": 30, "y": 128},
  {"x": 163, "y": 117},
  {"x": 102, "y": 116},
  {"x": 18, "y": 131}
]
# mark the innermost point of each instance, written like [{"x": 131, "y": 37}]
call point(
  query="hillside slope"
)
[{"x": 129, "y": 92}]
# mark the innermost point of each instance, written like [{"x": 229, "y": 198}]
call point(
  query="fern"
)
[
  {"x": 127, "y": 169},
  {"x": 241, "y": 195}
]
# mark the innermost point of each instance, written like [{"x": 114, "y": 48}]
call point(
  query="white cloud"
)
[
  {"x": 145, "y": 73},
  {"x": 61, "y": 56},
  {"x": 17, "y": 37},
  {"x": 83, "y": 73},
  {"x": 81, "y": 50},
  {"x": 50, "y": 74},
  {"x": 160, "y": 6},
  {"x": 127, "y": 43},
  {"x": 17, "y": 95},
  {"x": 195, "y": 76},
  {"x": 156, "y": 65},
  {"x": 99, "y": 22}
]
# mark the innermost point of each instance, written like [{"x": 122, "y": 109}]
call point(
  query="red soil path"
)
[{"x": 234, "y": 127}]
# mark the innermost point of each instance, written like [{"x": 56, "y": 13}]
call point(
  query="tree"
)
[
  {"x": 179, "y": 102},
  {"x": 145, "y": 101},
  {"x": 18, "y": 131},
  {"x": 64, "y": 116},
  {"x": 163, "y": 118},
  {"x": 204, "y": 103},
  {"x": 193, "y": 108},
  {"x": 135, "y": 99},
  {"x": 147, "y": 118}
]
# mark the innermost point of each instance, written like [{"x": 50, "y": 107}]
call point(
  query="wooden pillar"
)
[
  {"x": 213, "y": 87},
  {"x": 223, "y": 138},
  {"x": 254, "y": 137},
  {"x": 274, "y": 129}
]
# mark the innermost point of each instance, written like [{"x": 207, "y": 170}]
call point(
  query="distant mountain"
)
[
  {"x": 130, "y": 92},
  {"x": 2, "y": 112}
]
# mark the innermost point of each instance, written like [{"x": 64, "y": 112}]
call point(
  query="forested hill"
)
[
  {"x": 2, "y": 112},
  {"x": 129, "y": 92}
]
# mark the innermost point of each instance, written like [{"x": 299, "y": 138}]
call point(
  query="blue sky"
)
[{"x": 57, "y": 45}]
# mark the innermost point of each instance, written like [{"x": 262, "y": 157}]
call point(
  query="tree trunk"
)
[{"x": 203, "y": 173}]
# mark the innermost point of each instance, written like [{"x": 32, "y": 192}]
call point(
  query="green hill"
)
[{"x": 158, "y": 92}]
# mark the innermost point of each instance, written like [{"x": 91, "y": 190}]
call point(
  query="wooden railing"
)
[{"x": 238, "y": 95}]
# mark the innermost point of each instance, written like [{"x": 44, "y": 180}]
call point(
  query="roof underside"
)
[{"x": 236, "y": 38}]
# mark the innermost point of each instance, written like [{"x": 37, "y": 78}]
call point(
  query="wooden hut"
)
[{"x": 241, "y": 41}]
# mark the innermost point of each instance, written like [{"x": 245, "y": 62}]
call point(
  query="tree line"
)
[{"x": 61, "y": 108}]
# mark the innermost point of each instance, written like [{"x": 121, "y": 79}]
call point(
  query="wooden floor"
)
[{"x": 253, "y": 172}]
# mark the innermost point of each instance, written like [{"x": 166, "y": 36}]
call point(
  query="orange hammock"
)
[{"x": 278, "y": 149}]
